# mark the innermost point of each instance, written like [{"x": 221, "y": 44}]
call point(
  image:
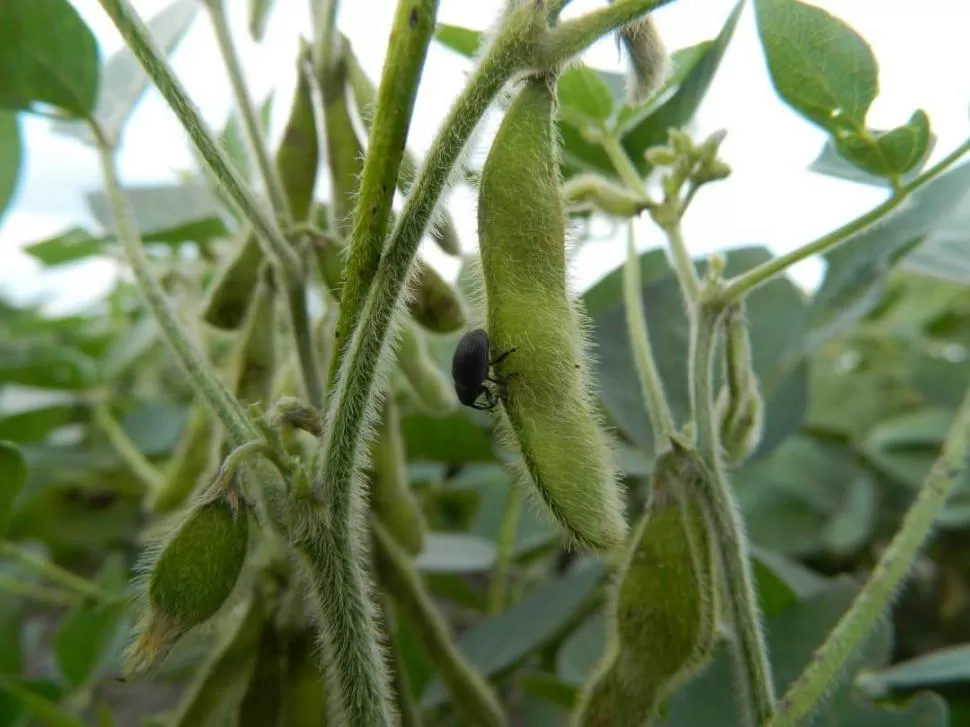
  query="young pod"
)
[
  {"x": 586, "y": 191},
  {"x": 254, "y": 362},
  {"x": 663, "y": 609},
  {"x": 391, "y": 497},
  {"x": 546, "y": 393},
  {"x": 740, "y": 406},
  {"x": 649, "y": 61},
  {"x": 228, "y": 298},
  {"x": 194, "y": 575}
]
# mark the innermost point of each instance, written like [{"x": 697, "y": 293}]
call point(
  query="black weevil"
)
[{"x": 470, "y": 370}]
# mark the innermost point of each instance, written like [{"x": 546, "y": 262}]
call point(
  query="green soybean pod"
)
[
  {"x": 195, "y": 573},
  {"x": 433, "y": 302},
  {"x": 585, "y": 191},
  {"x": 297, "y": 160},
  {"x": 649, "y": 61},
  {"x": 740, "y": 406},
  {"x": 254, "y": 363},
  {"x": 261, "y": 705},
  {"x": 391, "y": 496},
  {"x": 663, "y": 608},
  {"x": 548, "y": 403},
  {"x": 304, "y": 695}
]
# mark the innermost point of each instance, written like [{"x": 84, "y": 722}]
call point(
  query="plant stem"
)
[
  {"x": 574, "y": 36},
  {"x": 139, "y": 40},
  {"x": 207, "y": 382},
  {"x": 41, "y": 594},
  {"x": 756, "y": 277},
  {"x": 247, "y": 110},
  {"x": 728, "y": 527},
  {"x": 411, "y": 34},
  {"x": 869, "y": 605},
  {"x": 54, "y": 573},
  {"x": 126, "y": 449},
  {"x": 506, "y": 546},
  {"x": 661, "y": 420}
]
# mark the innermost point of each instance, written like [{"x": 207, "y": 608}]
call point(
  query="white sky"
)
[{"x": 770, "y": 199}]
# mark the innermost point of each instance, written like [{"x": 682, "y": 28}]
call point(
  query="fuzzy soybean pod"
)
[
  {"x": 254, "y": 362},
  {"x": 547, "y": 399},
  {"x": 297, "y": 161},
  {"x": 663, "y": 609},
  {"x": 194, "y": 575},
  {"x": 391, "y": 496},
  {"x": 433, "y": 303},
  {"x": 740, "y": 406}
]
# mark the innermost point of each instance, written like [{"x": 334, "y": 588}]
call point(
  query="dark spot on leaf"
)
[{"x": 413, "y": 18}]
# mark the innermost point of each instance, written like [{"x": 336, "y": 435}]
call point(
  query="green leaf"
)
[
  {"x": 69, "y": 246},
  {"x": 641, "y": 132},
  {"x": 790, "y": 497},
  {"x": 497, "y": 644},
  {"x": 45, "y": 366},
  {"x": 855, "y": 277},
  {"x": 819, "y": 65},
  {"x": 493, "y": 488},
  {"x": 167, "y": 213},
  {"x": 47, "y": 56},
  {"x": 86, "y": 633},
  {"x": 950, "y": 665},
  {"x": 946, "y": 252},
  {"x": 852, "y": 525},
  {"x": 456, "y": 553},
  {"x": 889, "y": 153},
  {"x": 775, "y": 312},
  {"x": 585, "y": 100},
  {"x": 793, "y": 635},
  {"x": 461, "y": 40},
  {"x": 926, "y": 427},
  {"x": 11, "y": 154},
  {"x": 608, "y": 290},
  {"x": 34, "y": 424},
  {"x": 124, "y": 81},
  {"x": 580, "y": 652},
  {"x": 155, "y": 427},
  {"x": 454, "y": 438},
  {"x": 832, "y": 163},
  {"x": 13, "y": 475}
]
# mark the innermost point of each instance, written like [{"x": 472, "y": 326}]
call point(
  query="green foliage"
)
[{"x": 281, "y": 602}]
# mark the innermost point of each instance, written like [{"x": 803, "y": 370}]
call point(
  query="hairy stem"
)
[
  {"x": 139, "y": 40},
  {"x": 209, "y": 385},
  {"x": 247, "y": 110},
  {"x": 506, "y": 547},
  {"x": 411, "y": 34},
  {"x": 758, "y": 276},
  {"x": 572, "y": 37},
  {"x": 870, "y": 604},
  {"x": 54, "y": 573},
  {"x": 126, "y": 449},
  {"x": 732, "y": 546},
  {"x": 661, "y": 420}
]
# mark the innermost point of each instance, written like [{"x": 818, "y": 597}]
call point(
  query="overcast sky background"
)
[{"x": 770, "y": 199}]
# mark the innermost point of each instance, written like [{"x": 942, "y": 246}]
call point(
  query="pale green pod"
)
[
  {"x": 649, "y": 61},
  {"x": 549, "y": 414},
  {"x": 740, "y": 406},
  {"x": 663, "y": 609},
  {"x": 254, "y": 364},
  {"x": 586, "y": 191},
  {"x": 198, "y": 567}
]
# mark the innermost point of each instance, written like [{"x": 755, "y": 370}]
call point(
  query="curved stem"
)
[
  {"x": 756, "y": 277},
  {"x": 247, "y": 110},
  {"x": 661, "y": 420},
  {"x": 54, "y": 573},
  {"x": 126, "y": 449},
  {"x": 728, "y": 527},
  {"x": 139, "y": 39},
  {"x": 871, "y": 602},
  {"x": 207, "y": 382}
]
